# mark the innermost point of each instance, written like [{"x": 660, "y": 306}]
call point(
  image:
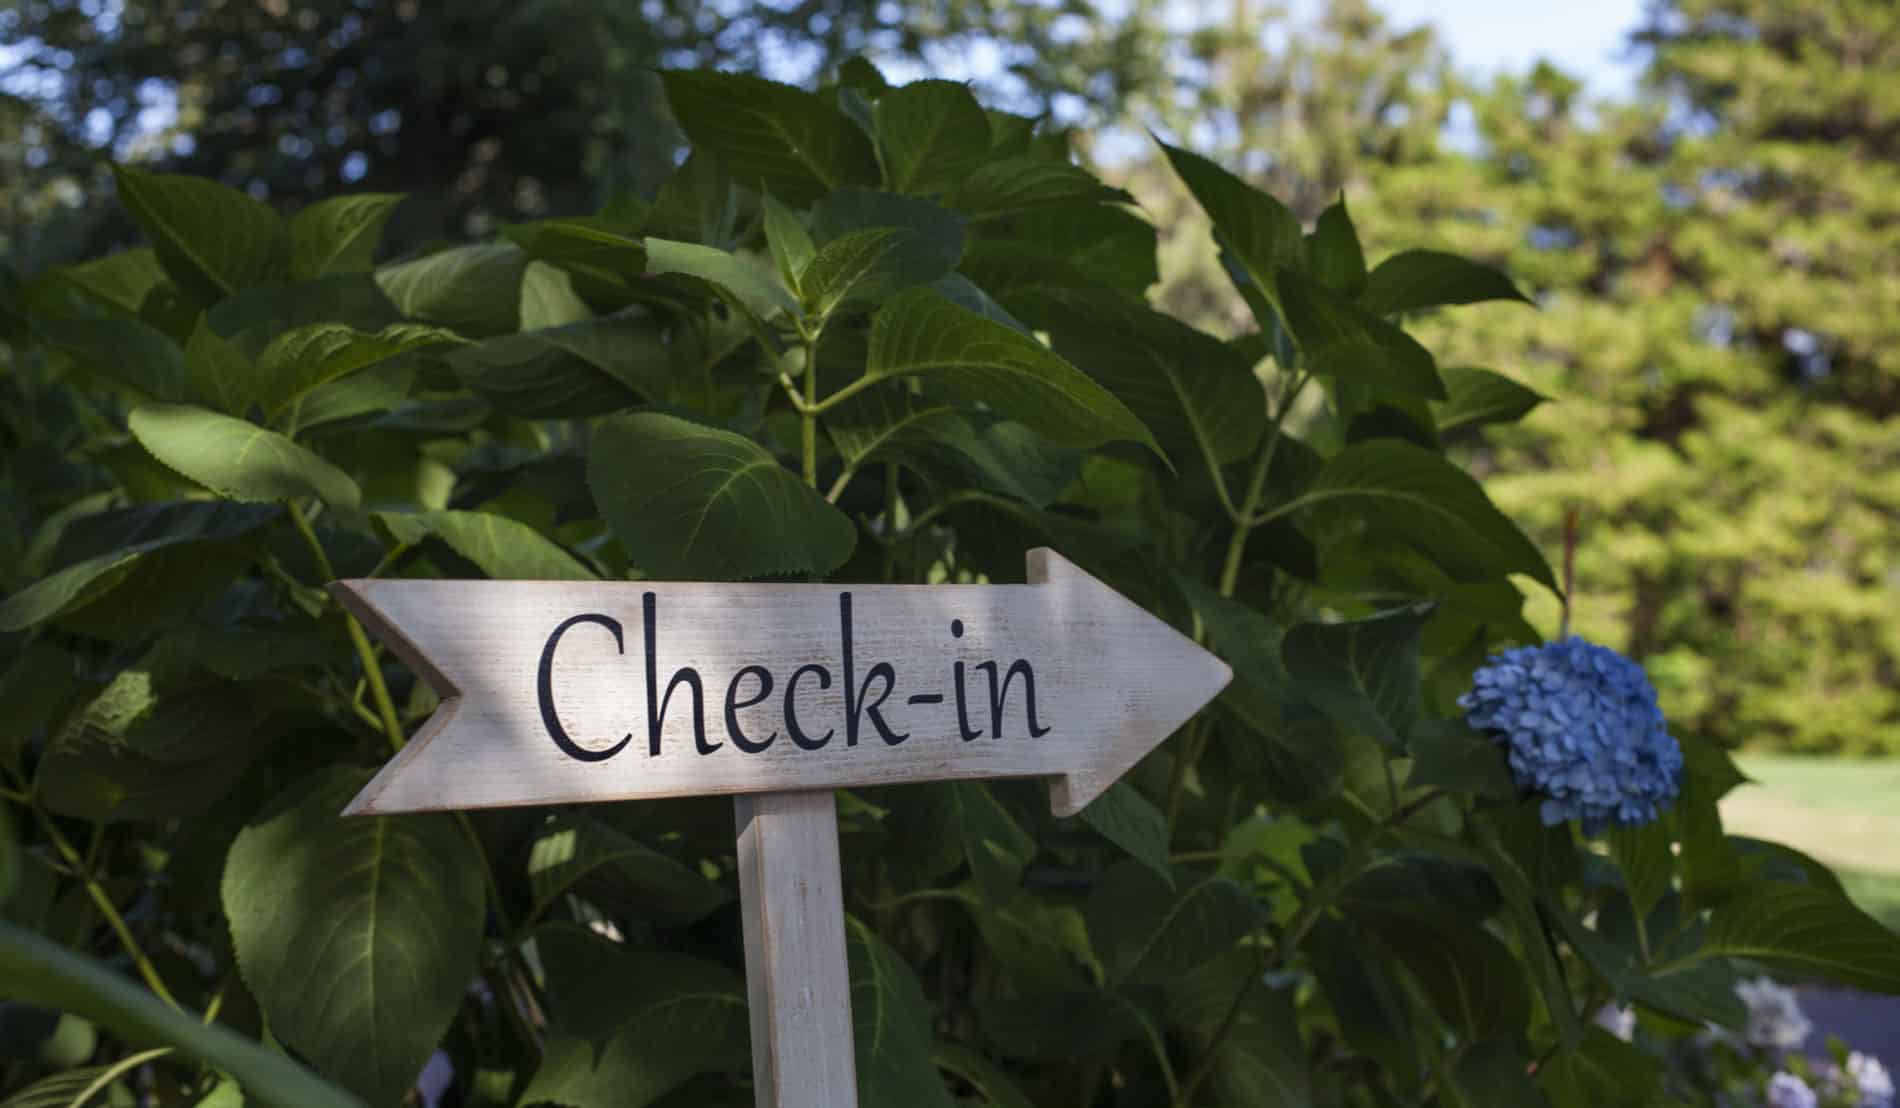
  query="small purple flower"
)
[
  {"x": 1871, "y": 1078},
  {"x": 1582, "y": 729},
  {"x": 1775, "y": 1019},
  {"x": 1785, "y": 1090}
]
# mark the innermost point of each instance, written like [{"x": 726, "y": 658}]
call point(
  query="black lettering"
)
[
  {"x": 656, "y": 704},
  {"x": 545, "y": 687},
  {"x": 804, "y": 741},
  {"x": 733, "y": 704},
  {"x": 956, "y": 675},
  {"x": 855, "y": 694},
  {"x": 998, "y": 696}
]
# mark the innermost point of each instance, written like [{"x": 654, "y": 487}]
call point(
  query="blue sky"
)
[{"x": 1582, "y": 37}]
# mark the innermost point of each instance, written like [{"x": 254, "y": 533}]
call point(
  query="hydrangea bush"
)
[
  {"x": 1765, "y": 1064},
  {"x": 865, "y": 334}
]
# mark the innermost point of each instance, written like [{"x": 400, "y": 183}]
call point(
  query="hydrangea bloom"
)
[
  {"x": 1865, "y": 1076},
  {"x": 1775, "y": 1019},
  {"x": 1620, "y": 1022},
  {"x": 1583, "y": 731},
  {"x": 1785, "y": 1090}
]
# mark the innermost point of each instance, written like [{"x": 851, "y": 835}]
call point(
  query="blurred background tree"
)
[{"x": 1717, "y": 258}]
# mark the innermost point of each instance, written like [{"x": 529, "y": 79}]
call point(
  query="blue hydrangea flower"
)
[
  {"x": 1785, "y": 1090},
  {"x": 1864, "y": 1082},
  {"x": 1775, "y": 1018},
  {"x": 1582, "y": 729}
]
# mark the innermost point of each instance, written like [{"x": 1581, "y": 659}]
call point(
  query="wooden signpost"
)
[{"x": 569, "y": 692}]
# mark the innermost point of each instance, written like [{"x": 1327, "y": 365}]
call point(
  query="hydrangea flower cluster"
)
[
  {"x": 1775, "y": 1018},
  {"x": 1864, "y": 1076},
  {"x": 1785, "y": 1090},
  {"x": 1582, "y": 729}
]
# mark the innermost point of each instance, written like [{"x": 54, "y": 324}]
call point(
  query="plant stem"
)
[
  {"x": 372, "y": 672},
  {"x": 809, "y": 413},
  {"x": 97, "y": 892}
]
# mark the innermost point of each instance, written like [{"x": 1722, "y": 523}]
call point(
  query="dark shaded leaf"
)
[
  {"x": 771, "y": 135},
  {"x": 1363, "y": 673},
  {"x": 1415, "y": 279}
]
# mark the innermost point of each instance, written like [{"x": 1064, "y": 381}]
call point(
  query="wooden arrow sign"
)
[{"x": 563, "y": 692}]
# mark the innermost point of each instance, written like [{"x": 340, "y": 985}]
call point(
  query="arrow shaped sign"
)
[{"x": 563, "y": 692}]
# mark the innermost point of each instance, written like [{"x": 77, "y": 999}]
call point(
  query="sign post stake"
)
[{"x": 799, "y": 986}]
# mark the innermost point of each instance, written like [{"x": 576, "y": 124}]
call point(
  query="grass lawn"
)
[{"x": 1844, "y": 812}]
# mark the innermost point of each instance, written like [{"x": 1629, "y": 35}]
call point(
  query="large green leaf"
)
[
  {"x": 1646, "y": 857},
  {"x": 1197, "y": 394},
  {"x": 339, "y": 235},
  {"x": 604, "y": 257},
  {"x": 238, "y": 459},
  {"x": 890, "y": 1022},
  {"x": 1258, "y": 1055},
  {"x": 1027, "y": 183},
  {"x": 298, "y": 361},
  {"x": 964, "y": 816},
  {"x": 628, "y": 1027},
  {"x": 503, "y": 548},
  {"x": 123, "y": 351},
  {"x": 472, "y": 290},
  {"x": 583, "y": 369},
  {"x": 160, "y": 740},
  {"x": 1127, "y": 819},
  {"x": 40, "y": 971},
  {"x": 1475, "y": 397},
  {"x": 220, "y": 374},
  {"x": 571, "y": 851},
  {"x": 1470, "y": 976},
  {"x": 120, "y": 281},
  {"x": 934, "y": 134},
  {"x": 951, "y": 445},
  {"x": 1112, "y": 245},
  {"x": 358, "y": 936},
  {"x": 996, "y": 1088},
  {"x": 252, "y": 318},
  {"x": 1604, "y": 1072},
  {"x": 789, "y": 240},
  {"x": 1415, "y": 279},
  {"x": 873, "y": 244},
  {"x": 735, "y": 275},
  {"x": 1340, "y": 340},
  {"x": 787, "y": 139},
  {"x": 1805, "y": 931},
  {"x": 919, "y": 332},
  {"x": 1413, "y": 495},
  {"x": 1148, "y": 929},
  {"x": 1257, "y": 231},
  {"x": 212, "y": 240},
  {"x": 1338, "y": 262},
  {"x": 694, "y": 502},
  {"x": 1363, "y": 673}
]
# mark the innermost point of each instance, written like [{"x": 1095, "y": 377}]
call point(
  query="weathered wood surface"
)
[
  {"x": 565, "y": 692},
  {"x": 792, "y": 895}
]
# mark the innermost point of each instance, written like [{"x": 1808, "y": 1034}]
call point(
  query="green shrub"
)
[{"x": 926, "y": 326}]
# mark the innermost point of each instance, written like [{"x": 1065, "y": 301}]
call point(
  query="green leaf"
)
[
  {"x": 947, "y": 444},
  {"x": 254, "y": 317},
  {"x": 788, "y": 240},
  {"x": 996, "y": 1088},
  {"x": 40, "y": 971},
  {"x": 1148, "y": 929},
  {"x": 1338, "y": 262},
  {"x": 694, "y": 502},
  {"x": 1260, "y": 234},
  {"x": 1363, "y": 673},
  {"x": 220, "y": 374},
  {"x": 503, "y": 548},
  {"x": 583, "y": 369},
  {"x": 378, "y": 391},
  {"x": 1415, "y": 279},
  {"x": 736, "y": 276},
  {"x": 1374, "y": 1009},
  {"x": 64, "y": 591},
  {"x": 890, "y": 1023},
  {"x": 1257, "y": 1053},
  {"x": 1112, "y": 245},
  {"x": 1496, "y": 1071},
  {"x": 1605, "y": 1072},
  {"x": 10, "y": 859},
  {"x": 578, "y": 854},
  {"x": 978, "y": 360},
  {"x": 471, "y": 290},
  {"x": 1450, "y": 755},
  {"x": 123, "y": 351},
  {"x": 873, "y": 244},
  {"x": 1646, "y": 857},
  {"x": 1475, "y": 397},
  {"x": 966, "y": 815},
  {"x": 119, "y": 282},
  {"x": 629, "y": 1027},
  {"x": 1028, "y": 182},
  {"x": 212, "y": 240},
  {"x": 339, "y": 235},
  {"x": 934, "y": 134},
  {"x": 771, "y": 135},
  {"x": 1805, "y": 931},
  {"x": 237, "y": 459},
  {"x": 1413, "y": 495},
  {"x": 160, "y": 740},
  {"x": 605, "y": 258},
  {"x": 1127, "y": 819},
  {"x": 548, "y": 298},
  {"x": 1340, "y": 340},
  {"x": 381, "y": 917},
  {"x": 298, "y": 361},
  {"x": 1470, "y": 976},
  {"x": 1197, "y": 394}
]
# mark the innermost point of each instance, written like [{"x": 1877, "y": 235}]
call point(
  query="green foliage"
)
[{"x": 864, "y": 334}]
